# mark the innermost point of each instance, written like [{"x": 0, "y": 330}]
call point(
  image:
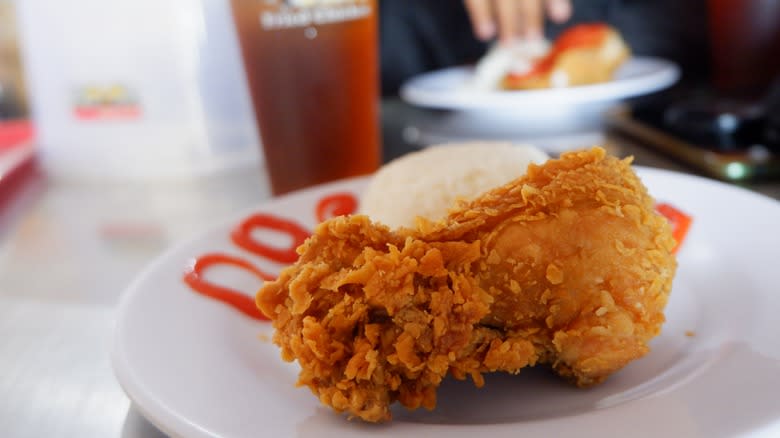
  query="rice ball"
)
[{"x": 427, "y": 183}]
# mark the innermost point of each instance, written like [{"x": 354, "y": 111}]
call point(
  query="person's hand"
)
[{"x": 513, "y": 19}]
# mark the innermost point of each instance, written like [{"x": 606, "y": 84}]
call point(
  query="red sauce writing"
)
[
  {"x": 194, "y": 277},
  {"x": 242, "y": 236},
  {"x": 337, "y": 204},
  {"x": 329, "y": 206}
]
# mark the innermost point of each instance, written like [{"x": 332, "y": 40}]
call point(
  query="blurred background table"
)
[{"x": 67, "y": 251}]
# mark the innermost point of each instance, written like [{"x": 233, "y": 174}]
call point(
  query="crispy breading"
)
[{"x": 569, "y": 265}]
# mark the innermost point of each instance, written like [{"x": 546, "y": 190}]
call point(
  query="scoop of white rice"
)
[{"x": 427, "y": 183}]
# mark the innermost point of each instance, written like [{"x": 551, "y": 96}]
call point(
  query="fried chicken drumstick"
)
[{"x": 568, "y": 266}]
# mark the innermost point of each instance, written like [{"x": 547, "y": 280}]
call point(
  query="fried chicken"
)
[{"x": 568, "y": 266}]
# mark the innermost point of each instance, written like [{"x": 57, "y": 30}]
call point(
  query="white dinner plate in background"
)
[{"x": 447, "y": 89}]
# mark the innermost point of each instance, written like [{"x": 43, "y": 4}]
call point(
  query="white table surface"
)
[{"x": 67, "y": 250}]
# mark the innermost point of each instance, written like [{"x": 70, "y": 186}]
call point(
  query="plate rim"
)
[
  {"x": 412, "y": 93},
  {"x": 172, "y": 422}
]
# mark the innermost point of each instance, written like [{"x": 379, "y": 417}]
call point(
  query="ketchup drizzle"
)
[
  {"x": 337, "y": 204},
  {"x": 195, "y": 279},
  {"x": 242, "y": 236},
  {"x": 329, "y": 206}
]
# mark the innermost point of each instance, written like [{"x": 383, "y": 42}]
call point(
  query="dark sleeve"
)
[
  {"x": 672, "y": 29},
  {"x": 422, "y": 35}
]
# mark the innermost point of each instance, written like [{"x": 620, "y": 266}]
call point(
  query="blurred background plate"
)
[
  {"x": 447, "y": 89},
  {"x": 555, "y": 120}
]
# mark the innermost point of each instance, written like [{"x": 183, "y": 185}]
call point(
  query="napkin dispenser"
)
[{"x": 136, "y": 89}]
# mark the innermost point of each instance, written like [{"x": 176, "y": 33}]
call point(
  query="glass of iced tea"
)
[{"x": 312, "y": 69}]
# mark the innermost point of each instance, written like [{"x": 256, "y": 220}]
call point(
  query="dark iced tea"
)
[
  {"x": 312, "y": 69},
  {"x": 745, "y": 39}
]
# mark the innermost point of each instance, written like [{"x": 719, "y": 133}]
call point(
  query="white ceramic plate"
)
[
  {"x": 446, "y": 89},
  {"x": 197, "y": 368}
]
